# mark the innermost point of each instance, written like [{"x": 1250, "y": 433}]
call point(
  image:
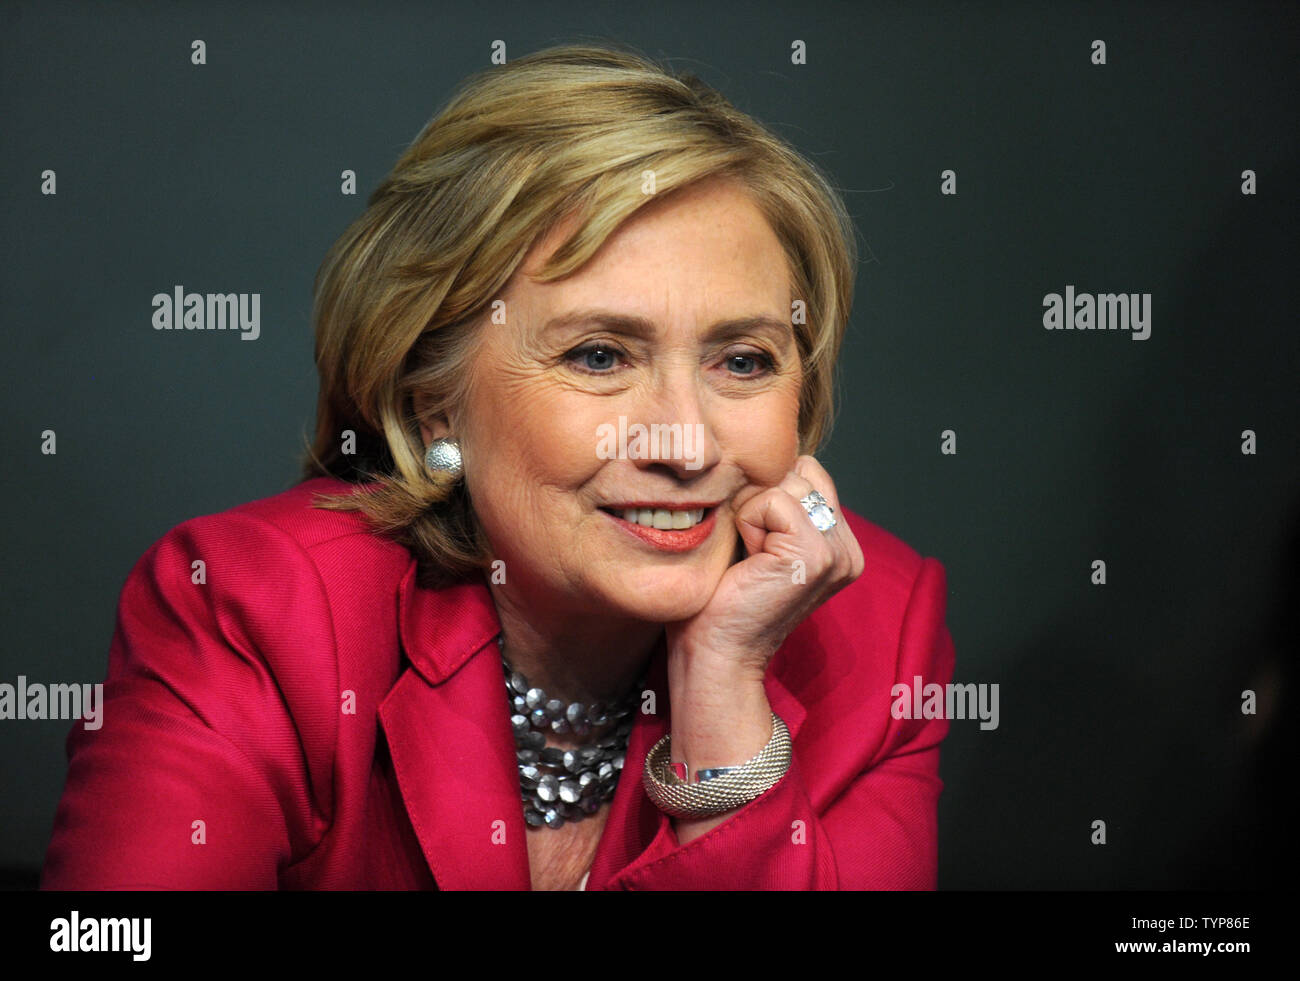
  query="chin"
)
[{"x": 665, "y": 596}]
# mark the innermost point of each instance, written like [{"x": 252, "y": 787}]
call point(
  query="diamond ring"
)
[{"x": 819, "y": 511}]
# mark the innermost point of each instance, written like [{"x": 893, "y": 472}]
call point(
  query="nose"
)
[{"x": 678, "y": 416}]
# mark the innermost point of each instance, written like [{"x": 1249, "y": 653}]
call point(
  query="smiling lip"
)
[
  {"x": 664, "y": 539},
  {"x": 666, "y": 505}
]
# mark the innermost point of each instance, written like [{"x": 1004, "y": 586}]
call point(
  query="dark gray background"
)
[{"x": 1118, "y": 703}]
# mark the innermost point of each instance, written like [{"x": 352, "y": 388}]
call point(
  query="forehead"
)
[{"x": 706, "y": 250}]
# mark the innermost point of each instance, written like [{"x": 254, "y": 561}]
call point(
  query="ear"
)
[{"x": 433, "y": 427}]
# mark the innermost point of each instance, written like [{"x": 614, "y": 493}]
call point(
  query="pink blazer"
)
[{"x": 311, "y": 718}]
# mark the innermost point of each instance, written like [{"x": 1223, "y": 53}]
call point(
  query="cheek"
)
[
  {"x": 537, "y": 450},
  {"x": 764, "y": 440}
]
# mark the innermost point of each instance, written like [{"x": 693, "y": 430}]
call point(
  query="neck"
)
[{"x": 575, "y": 656}]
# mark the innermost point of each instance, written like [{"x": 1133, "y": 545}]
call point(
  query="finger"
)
[
  {"x": 815, "y": 474},
  {"x": 808, "y": 541},
  {"x": 745, "y": 495},
  {"x": 796, "y": 485},
  {"x": 777, "y": 525},
  {"x": 799, "y": 487},
  {"x": 814, "y": 479},
  {"x": 773, "y": 521},
  {"x": 791, "y": 484}
]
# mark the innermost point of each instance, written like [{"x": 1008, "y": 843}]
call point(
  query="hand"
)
[
  {"x": 789, "y": 570},
  {"x": 717, "y": 658}
]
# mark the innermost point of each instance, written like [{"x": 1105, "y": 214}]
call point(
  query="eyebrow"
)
[{"x": 644, "y": 328}]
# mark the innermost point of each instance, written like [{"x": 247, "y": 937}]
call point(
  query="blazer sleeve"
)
[
  {"x": 881, "y": 832},
  {"x": 197, "y": 776}
]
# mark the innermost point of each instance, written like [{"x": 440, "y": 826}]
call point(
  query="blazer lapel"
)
[
  {"x": 449, "y": 735},
  {"x": 453, "y": 751},
  {"x": 634, "y": 821}
]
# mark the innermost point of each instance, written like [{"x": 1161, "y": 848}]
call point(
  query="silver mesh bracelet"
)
[{"x": 733, "y": 789}]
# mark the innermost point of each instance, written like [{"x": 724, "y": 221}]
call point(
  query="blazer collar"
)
[
  {"x": 453, "y": 751},
  {"x": 441, "y": 629}
]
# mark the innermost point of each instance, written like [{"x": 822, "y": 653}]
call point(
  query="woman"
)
[{"x": 564, "y": 602}]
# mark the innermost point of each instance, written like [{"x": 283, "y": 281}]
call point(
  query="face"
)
[{"x": 681, "y": 319}]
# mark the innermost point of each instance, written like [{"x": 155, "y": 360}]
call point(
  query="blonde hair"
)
[{"x": 563, "y": 132}]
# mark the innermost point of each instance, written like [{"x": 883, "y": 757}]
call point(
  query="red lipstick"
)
[{"x": 666, "y": 539}]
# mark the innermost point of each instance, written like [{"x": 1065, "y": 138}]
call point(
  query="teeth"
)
[{"x": 663, "y": 518}]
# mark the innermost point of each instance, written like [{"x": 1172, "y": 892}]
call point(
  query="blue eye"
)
[
  {"x": 597, "y": 358},
  {"x": 602, "y": 358},
  {"x": 755, "y": 360}
]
